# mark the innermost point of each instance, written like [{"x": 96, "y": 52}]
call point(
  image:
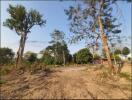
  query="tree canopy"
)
[
  {"x": 50, "y": 51},
  {"x": 125, "y": 51},
  {"x": 83, "y": 56},
  {"x": 21, "y": 20}
]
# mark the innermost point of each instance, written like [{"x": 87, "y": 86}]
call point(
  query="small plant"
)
[
  {"x": 104, "y": 74},
  {"x": 2, "y": 82},
  {"x": 125, "y": 75},
  {"x": 6, "y": 69}
]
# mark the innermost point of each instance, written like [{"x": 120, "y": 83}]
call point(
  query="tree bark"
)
[
  {"x": 64, "y": 61},
  {"x": 105, "y": 45},
  {"x": 21, "y": 49}
]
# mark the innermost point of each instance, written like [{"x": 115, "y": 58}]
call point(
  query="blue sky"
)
[{"x": 53, "y": 12}]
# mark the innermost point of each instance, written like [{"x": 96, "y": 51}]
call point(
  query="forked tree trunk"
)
[
  {"x": 105, "y": 45},
  {"x": 21, "y": 49}
]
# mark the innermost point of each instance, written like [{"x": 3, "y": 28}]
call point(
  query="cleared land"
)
[{"x": 67, "y": 83}]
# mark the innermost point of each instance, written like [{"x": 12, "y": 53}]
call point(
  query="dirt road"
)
[{"x": 64, "y": 83}]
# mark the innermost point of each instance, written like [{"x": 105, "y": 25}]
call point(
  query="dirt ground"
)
[{"x": 65, "y": 83}]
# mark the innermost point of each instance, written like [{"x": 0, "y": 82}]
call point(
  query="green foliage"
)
[
  {"x": 69, "y": 58},
  {"x": 117, "y": 58},
  {"x": 83, "y": 56},
  {"x": 5, "y": 69},
  {"x": 96, "y": 57},
  {"x": 2, "y": 81},
  {"x": 125, "y": 75},
  {"x": 47, "y": 59},
  {"x": 21, "y": 20},
  {"x": 74, "y": 57},
  {"x": 59, "y": 48},
  {"x": 125, "y": 51},
  {"x": 57, "y": 36},
  {"x": 85, "y": 29},
  {"x": 30, "y": 56},
  {"x": 54, "y": 54},
  {"x": 117, "y": 51},
  {"x": 6, "y": 55},
  {"x": 130, "y": 59}
]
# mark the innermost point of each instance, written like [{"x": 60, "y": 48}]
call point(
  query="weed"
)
[
  {"x": 125, "y": 75},
  {"x": 2, "y": 82},
  {"x": 104, "y": 74}
]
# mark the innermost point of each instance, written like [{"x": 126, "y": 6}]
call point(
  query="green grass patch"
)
[
  {"x": 2, "y": 82},
  {"x": 125, "y": 75}
]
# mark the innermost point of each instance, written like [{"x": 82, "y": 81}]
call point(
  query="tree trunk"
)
[
  {"x": 105, "y": 45},
  {"x": 21, "y": 49},
  {"x": 64, "y": 61},
  {"x": 93, "y": 56}
]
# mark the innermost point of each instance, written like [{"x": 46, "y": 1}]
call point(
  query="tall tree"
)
[
  {"x": 49, "y": 54},
  {"x": 21, "y": 21},
  {"x": 58, "y": 37},
  {"x": 94, "y": 21}
]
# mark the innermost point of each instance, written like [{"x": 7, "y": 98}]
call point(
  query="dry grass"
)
[{"x": 66, "y": 83}]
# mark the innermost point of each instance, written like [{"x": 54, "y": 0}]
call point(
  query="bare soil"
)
[{"x": 65, "y": 83}]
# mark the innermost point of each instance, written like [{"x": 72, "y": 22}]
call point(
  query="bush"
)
[
  {"x": 84, "y": 56},
  {"x": 96, "y": 57},
  {"x": 30, "y": 56},
  {"x": 125, "y": 75},
  {"x": 2, "y": 81},
  {"x": 6, "y": 55},
  {"x": 6, "y": 69},
  {"x": 117, "y": 58},
  {"x": 125, "y": 51},
  {"x": 47, "y": 59}
]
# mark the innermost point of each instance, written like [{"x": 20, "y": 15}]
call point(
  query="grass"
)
[
  {"x": 125, "y": 75},
  {"x": 6, "y": 69},
  {"x": 2, "y": 82}
]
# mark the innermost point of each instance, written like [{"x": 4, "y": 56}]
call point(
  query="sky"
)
[{"x": 53, "y": 12}]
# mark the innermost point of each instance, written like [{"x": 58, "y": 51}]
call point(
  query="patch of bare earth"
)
[{"x": 64, "y": 83}]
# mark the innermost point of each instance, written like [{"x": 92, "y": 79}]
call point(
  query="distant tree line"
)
[{"x": 83, "y": 56}]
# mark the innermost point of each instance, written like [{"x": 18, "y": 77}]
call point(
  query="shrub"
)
[
  {"x": 125, "y": 51},
  {"x": 2, "y": 81},
  {"x": 6, "y": 55},
  {"x": 96, "y": 57},
  {"x": 84, "y": 56},
  {"x": 125, "y": 75},
  {"x": 30, "y": 56},
  {"x": 47, "y": 59}
]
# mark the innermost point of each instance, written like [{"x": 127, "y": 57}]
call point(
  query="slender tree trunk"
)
[
  {"x": 93, "y": 55},
  {"x": 18, "y": 52},
  {"x": 64, "y": 61},
  {"x": 105, "y": 45},
  {"x": 21, "y": 49},
  {"x": 114, "y": 58}
]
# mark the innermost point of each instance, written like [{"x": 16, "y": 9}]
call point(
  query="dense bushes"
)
[
  {"x": 47, "y": 59},
  {"x": 30, "y": 56},
  {"x": 6, "y": 55},
  {"x": 83, "y": 56}
]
